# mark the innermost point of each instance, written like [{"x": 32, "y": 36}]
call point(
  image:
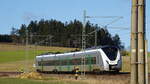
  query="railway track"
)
[
  {"x": 89, "y": 78},
  {"x": 3, "y": 74},
  {"x": 64, "y": 73},
  {"x": 121, "y": 77},
  {"x": 104, "y": 73},
  {"x": 88, "y": 74},
  {"x": 100, "y": 73}
]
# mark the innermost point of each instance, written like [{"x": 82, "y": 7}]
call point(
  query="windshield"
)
[{"x": 111, "y": 52}]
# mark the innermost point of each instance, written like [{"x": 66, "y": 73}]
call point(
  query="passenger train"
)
[{"x": 105, "y": 58}]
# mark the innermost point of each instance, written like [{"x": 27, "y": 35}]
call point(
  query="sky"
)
[{"x": 13, "y": 13}]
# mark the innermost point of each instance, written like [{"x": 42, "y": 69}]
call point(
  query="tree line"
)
[
  {"x": 5, "y": 38},
  {"x": 66, "y": 34}
]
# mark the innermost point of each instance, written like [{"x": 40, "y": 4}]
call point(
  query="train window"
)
[
  {"x": 77, "y": 61},
  {"x": 39, "y": 64},
  {"x": 111, "y": 52},
  {"x": 90, "y": 60},
  {"x": 94, "y": 60},
  {"x": 48, "y": 63},
  {"x": 55, "y": 62},
  {"x": 64, "y": 62}
]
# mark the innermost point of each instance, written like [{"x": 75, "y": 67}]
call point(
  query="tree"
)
[
  {"x": 14, "y": 33},
  {"x": 22, "y": 33},
  {"x": 68, "y": 34},
  {"x": 5, "y": 38},
  {"x": 117, "y": 41}
]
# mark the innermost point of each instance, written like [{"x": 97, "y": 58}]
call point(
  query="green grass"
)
[
  {"x": 18, "y": 81},
  {"x": 13, "y": 57},
  {"x": 29, "y": 81},
  {"x": 10, "y": 56},
  {"x": 12, "y": 53}
]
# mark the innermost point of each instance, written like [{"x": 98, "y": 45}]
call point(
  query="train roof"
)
[
  {"x": 69, "y": 53},
  {"x": 75, "y": 52},
  {"x": 98, "y": 47}
]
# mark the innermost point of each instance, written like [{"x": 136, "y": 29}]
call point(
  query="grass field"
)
[
  {"x": 29, "y": 81},
  {"x": 18, "y": 81},
  {"x": 13, "y": 56},
  {"x": 12, "y": 53},
  {"x": 68, "y": 79}
]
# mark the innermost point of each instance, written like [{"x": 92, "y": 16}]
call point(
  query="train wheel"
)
[
  {"x": 55, "y": 71},
  {"x": 96, "y": 71},
  {"x": 38, "y": 70},
  {"x": 117, "y": 71}
]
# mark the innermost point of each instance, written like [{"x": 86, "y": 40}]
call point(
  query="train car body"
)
[{"x": 105, "y": 58}]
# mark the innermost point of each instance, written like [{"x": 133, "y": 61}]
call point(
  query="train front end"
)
[{"x": 111, "y": 58}]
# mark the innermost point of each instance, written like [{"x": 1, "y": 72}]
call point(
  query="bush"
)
[{"x": 125, "y": 53}]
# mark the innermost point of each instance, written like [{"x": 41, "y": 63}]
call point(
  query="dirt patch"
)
[
  {"x": 30, "y": 75},
  {"x": 4, "y": 75}
]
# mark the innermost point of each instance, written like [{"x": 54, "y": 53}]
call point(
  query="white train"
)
[{"x": 106, "y": 58}]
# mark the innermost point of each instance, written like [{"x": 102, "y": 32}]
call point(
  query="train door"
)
[{"x": 99, "y": 60}]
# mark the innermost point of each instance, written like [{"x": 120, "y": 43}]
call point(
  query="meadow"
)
[
  {"x": 31, "y": 81},
  {"x": 13, "y": 58},
  {"x": 12, "y": 53}
]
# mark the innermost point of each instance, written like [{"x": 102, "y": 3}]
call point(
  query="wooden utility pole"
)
[
  {"x": 146, "y": 61},
  {"x": 139, "y": 74},
  {"x": 141, "y": 42},
  {"x": 134, "y": 42}
]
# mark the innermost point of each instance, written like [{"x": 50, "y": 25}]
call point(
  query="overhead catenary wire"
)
[
  {"x": 104, "y": 17},
  {"x": 26, "y": 52},
  {"x": 95, "y": 31}
]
